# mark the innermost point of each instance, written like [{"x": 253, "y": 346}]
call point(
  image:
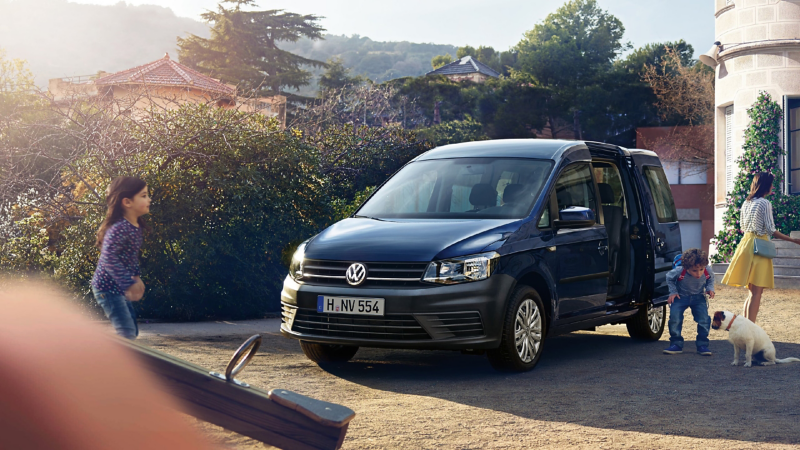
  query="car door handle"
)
[
  {"x": 660, "y": 244},
  {"x": 602, "y": 248}
]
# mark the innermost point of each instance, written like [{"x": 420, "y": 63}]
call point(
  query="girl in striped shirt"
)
[{"x": 756, "y": 221}]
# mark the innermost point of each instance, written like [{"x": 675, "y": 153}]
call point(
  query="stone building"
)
[
  {"x": 759, "y": 51},
  {"x": 165, "y": 83},
  {"x": 466, "y": 68}
]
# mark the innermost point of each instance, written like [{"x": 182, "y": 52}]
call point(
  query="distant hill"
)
[{"x": 60, "y": 39}]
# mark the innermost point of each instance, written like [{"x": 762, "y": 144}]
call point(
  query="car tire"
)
[
  {"x": 648, "y": 324},
  {"x": 328, "y": 353},
  {"x": 521, "y": 355}
]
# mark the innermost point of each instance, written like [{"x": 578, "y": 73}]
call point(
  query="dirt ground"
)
[{"x": 590, "y": 390}]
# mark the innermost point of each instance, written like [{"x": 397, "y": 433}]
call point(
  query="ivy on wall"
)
[{"x": 762, "y": 153}]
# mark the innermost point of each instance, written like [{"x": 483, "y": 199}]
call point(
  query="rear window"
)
[{"x": 662, "y": 195}]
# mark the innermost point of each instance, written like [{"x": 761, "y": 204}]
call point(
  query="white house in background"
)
[{"x": 760, "y": 51}]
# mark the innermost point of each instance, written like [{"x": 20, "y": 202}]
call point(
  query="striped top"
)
[{"x": 757, "y": 217}]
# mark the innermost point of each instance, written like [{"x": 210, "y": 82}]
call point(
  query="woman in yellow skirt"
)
[{"x": 756, "y": 221}]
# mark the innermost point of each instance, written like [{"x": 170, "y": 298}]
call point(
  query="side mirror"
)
[{"x": 575, "y": 217}]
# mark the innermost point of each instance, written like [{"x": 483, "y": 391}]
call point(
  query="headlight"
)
[
  {"x": 462, "y": 270},
  {"x": 296, "y": 267}
]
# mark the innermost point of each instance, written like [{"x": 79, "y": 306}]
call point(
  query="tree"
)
[
  {"x": 568, "y": 53},
  {"x": 441, "y": 60},
  {"x": 685, "y": 94},
  {"x": 337, "y": 76},
  {"x": 243, "y": 47}
]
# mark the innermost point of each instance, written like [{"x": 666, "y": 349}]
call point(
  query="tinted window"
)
[
  {"x": 575, "y": 187},
  {"x": 609, "y": 180},
  {"x": 460, "y": 188},
  {"x": 662, "y": 195}
]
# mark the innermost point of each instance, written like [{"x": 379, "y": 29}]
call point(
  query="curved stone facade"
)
[{"x": 760, "y": 52}]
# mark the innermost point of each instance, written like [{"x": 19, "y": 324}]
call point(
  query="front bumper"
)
[{"x": 454, "y": 317}]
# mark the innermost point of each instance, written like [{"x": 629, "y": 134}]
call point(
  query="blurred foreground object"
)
[
  {"x": 66, "y": 385},
  {"x": 70, "y": 381}
]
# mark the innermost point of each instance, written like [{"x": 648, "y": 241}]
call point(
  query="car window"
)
[
  {"x": 610, "y": 181},
  {"x": 461, "y": 188},
  {"x": 575, "y": 187},
  {"x": 661, "y": 194},
  {"x": 544, "y": 221}
]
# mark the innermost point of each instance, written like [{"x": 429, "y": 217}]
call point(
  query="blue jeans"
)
[
  {"x": 699, "y": 307},
  {"x": 120, "y": 311}
]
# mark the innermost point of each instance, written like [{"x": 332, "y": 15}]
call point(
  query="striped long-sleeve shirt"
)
[
  {"x": 757, "y": 217},
  {"x": 119, "y": 258}
]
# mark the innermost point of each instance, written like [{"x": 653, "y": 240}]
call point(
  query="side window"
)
[
  {"x": 610, "y": 183},
  {"x": 544, "y": 221},
  {"x": 662, "y": 195},
  {"x": 575, "y": 187}
]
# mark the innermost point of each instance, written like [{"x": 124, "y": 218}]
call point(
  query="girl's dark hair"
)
[
  {"x": 120, "y": 188},
  {"x": 761, "y": 184}
]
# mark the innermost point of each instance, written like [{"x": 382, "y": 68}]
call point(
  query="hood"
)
[{"x": 373, "y": 240}]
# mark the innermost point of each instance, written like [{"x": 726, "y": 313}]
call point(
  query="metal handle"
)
[
  {"x": 660, "y": 243},
  {"x": 602, "y": 248},
  {"x": 241, "y": 358}
]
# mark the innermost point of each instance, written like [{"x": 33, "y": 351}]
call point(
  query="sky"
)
[{"x": 496, "y": 23}]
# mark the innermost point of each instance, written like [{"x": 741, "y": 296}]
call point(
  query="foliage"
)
[
  {"x": 568, "y": 55},
  {"x": 441, "y": 60},
  {"x": 231, "y": 192},
  {"x": 243, "y": 47},
  {"x": 761, "y": 154},
  {"x": 337, "y": 76},
  {"x": 683, "y": 91},
  {"x": 453, "y": 132},
  {"x": 499, "y": 61}
]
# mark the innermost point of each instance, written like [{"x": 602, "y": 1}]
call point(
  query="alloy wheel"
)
[
  {"x": 528, "y": 330},
  {"x": 655, "y": 317}
]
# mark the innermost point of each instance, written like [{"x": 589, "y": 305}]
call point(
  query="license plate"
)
[{"x": 348, "y": 305}]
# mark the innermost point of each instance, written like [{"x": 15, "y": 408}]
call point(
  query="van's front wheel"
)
[
  {"x": 524, "y": 330},
  {"x": 328, "y": 353},
  {"x": 648, "y": 323}
]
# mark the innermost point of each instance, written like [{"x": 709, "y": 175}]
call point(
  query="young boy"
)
[{"x": 688, "y": 284}]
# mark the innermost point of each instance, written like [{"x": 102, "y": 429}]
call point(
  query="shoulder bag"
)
[{"x": 764, "y": 248}]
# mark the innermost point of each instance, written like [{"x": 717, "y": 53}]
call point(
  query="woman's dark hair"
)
[
  {"x": 761, "y": 184},
  {"x": 120, "y": 188}
]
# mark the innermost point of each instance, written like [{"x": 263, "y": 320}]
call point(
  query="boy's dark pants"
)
[{"x": 699, "y": 307}]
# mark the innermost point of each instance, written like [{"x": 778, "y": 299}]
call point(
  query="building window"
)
[
  {"x": 730, "y": 163},
  {"x": 685, "y": 172},
  {"x": 793, "y": 146}
]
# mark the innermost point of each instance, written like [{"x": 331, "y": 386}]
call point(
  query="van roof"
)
[{"x": 518, "y": 148}]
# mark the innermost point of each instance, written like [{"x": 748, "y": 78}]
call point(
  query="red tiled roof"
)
[{"x": 165, "y": 72}]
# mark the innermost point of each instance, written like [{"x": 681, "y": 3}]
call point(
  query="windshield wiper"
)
[{"x": 367, "y": 217}]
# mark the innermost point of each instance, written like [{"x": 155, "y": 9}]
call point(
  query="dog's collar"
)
[{"x": 730, "y": 323}]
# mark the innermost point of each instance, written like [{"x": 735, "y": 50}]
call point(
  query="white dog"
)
[{"x": 744, "y": 334}]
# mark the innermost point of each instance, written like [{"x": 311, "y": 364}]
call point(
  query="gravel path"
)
[{"x": 590, "y": 390}]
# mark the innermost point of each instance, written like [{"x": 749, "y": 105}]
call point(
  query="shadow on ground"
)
[{"x": 609, "y": 382}]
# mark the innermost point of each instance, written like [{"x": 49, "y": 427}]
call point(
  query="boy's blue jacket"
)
[{"x": 689, "y": 285}]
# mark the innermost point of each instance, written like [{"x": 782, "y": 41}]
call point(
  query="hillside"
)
[{"x": 60, "y": 39}]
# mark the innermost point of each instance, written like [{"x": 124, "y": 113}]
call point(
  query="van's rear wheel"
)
[
  {"x": 328, "y": 353},
  {"x": 648, "y": 323},
  {"x": 524, "y": 330}
]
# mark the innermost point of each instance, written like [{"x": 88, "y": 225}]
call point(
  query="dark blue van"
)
[{"x": 490, "y": 247}]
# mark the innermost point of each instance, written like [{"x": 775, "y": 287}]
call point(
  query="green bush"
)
[
  {"x": 453, "y": 132},
  {"x": 232, "y": 195}
]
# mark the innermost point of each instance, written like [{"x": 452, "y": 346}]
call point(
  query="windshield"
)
[{"x": 462, "y": 188}]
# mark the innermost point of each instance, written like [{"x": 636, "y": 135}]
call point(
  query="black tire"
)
[
  {"x": 507, "y": 357},
  {"x": 648, "y": 324},
  {"x": 328, "y": 353}
]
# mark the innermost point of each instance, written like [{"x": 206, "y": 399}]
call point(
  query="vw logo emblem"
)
[{"x": 356, "y": 274}]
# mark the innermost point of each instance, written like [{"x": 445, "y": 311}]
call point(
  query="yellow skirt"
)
[{"x": 746, "y": 268}]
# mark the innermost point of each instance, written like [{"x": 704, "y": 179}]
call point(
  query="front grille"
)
[
  {"x": 391, "y": 327},
  {"x": 379, "y": 274},
  {"x": 452, "y": 325}
]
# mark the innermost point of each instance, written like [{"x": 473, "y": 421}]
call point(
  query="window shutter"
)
[{"x": 730, "y": 172}]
